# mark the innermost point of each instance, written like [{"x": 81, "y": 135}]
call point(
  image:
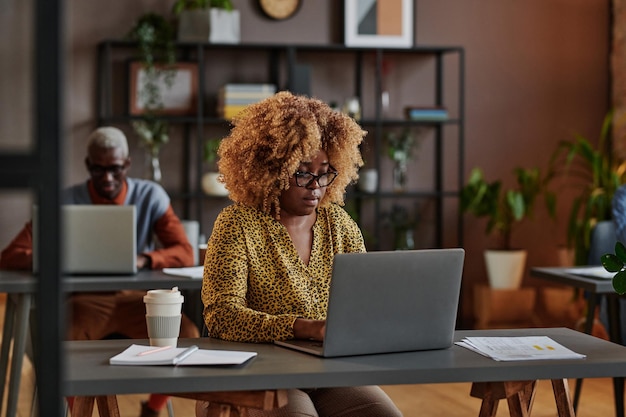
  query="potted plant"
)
[
  {"x": 403, "y": 224},
  {"x": 616, "y": 263},
  {"x": 215, "y": 21},
  {"x": 504, "y": 209},
  {"x": 210, "y": 180},
  {"x": 597, "y": 176},
  {"x": 400, "y": 148},
  {"x": 153, "y": 134},
  {"x": 155, "y": 39}
]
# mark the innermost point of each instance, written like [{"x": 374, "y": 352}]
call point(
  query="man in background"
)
[{"x": 97, "y": 315}]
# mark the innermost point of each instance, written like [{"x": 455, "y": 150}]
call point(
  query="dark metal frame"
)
[
  {"x": 283, "y": 59},
  {"x": 40, "y": 171}
]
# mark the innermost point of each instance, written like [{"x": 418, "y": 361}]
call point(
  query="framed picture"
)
[
  {"x": 379, "y": 23},
  {"x": 177, "y": 92}
]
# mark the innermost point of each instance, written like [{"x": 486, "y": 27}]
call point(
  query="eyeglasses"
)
[
  {"x": 99, "y": 170},
  {"x": 305, "y": 179}
]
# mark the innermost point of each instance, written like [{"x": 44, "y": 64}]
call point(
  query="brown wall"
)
[{"x": 536, "y": 72}]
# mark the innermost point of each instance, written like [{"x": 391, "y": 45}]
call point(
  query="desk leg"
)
[
  {"x": 83, "y": 406},
  {"x": 561, "y": 396},
  {"x": 615, "y": 331},
  {"x": 591, "y": 316},
  {"x": 19, "y": 349},
  {"x": 107, "y": 406},
  {"x": 7, "y": 337},
  {"x": 519, "y": 396}
]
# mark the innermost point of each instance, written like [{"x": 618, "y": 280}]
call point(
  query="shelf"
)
[{"x": 276, "y": 64}]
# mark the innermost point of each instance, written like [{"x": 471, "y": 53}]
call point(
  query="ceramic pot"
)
[
  {"x": 211, "y": 186},
  {"x": 368, "y": 180},
  {"x": 214, "y": 25},
  {"x": 505, "y": 268}
]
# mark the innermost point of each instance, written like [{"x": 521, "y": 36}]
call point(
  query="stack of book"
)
[
  {"x": 427, "y": 114},
  {"x": 233, "y": 98}
]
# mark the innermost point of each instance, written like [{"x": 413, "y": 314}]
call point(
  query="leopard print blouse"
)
[{"x": 255, "y": 284}]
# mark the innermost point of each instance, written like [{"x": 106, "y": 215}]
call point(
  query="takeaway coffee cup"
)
[{"x": 163, "y": 314}]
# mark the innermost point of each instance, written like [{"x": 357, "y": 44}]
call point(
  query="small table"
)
[
  {"x": 276, "y": 368},
  {"x": 21, "y": 287},
  {"x": 597, "y": 287}
]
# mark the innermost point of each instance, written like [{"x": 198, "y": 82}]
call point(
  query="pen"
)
[
  {"x": 184, "y": 354},
  {"x": 148, "y": 352}
]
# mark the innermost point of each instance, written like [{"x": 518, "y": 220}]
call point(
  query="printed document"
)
[
  {"x": 150, "y": 355},
  {"x": 518, "y": 348},
  {"x": 189, "y": 271}
]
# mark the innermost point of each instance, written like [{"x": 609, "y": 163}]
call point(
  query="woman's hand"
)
[{"x": 309, "y": 329}]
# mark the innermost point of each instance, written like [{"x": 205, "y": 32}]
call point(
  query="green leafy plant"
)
[
  {"x": 210, "y": 149},
  {"x": 504, "y": 208},
  {"x": 596, "y": 175},
  {"x": 152, "y": 133},
  {"x": 401, "y": 145},
  {"x": 402, "y": 223},
  {"x": 181, "y": 5},
  {"x": 616, "y": 263},
  {"x": 155, "y": 39}
]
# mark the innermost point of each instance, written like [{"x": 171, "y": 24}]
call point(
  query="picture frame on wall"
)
[
  {"x": 379, "y": 23},
  {"x": 178, "y": 97}
]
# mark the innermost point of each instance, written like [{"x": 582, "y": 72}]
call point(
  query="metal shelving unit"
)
[{"x": 281, "y": 61}]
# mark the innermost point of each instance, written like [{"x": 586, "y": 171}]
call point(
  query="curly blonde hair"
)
[{"x": 270, "y": 139}]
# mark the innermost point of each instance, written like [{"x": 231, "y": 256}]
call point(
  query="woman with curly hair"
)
[{"x": 286, "y": 164}]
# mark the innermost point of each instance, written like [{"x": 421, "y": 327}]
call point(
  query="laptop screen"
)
[{"x": 97, "y": 239}]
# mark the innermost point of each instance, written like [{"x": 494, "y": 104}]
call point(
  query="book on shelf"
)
[
  {"x": 249, "y": 88},
  {"x": 230, "y": 111},
  {"x": 426, "y": 113},
  {"x": 232, "y": 98},
  {"x": 151, "y": 355}
]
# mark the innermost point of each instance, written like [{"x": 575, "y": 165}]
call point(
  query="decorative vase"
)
[
  {"x": 368, "y": 180},
  {"x": 153, "y": 166},
  {"x": 404, "y": 239},
  {"x": 224, "y": 26},
  {"x": 505, "y": 268},
  {"x": 211, "y": 185},
  {"x": 194, "y": 25},
  {"x": 399, "y": 175},
  {"x": 384, "y": 102}
]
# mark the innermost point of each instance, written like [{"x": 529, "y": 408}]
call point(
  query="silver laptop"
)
[
  {"x": 97, "y": 239},
  {"x": 382, "y": 302}
]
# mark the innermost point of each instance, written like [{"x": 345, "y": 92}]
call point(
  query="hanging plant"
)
[
  {"x": 152, "y": 133},
  {"x": 400, "y": 149}
]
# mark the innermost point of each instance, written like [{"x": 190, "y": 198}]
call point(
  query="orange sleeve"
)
[
  {"x": 176, "y": 251},
  {"x": 19, "y": 253}
]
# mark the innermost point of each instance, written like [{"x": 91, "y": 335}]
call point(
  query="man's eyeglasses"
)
[
  {"x": 99, "y": 170},
  {"x": 305, "y": 179}
]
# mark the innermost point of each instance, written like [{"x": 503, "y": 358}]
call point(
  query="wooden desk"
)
[
  {"x": 21, "y": 287},
  {"x": 597, "y": 288},
  {"x": 275, "y": 368}
]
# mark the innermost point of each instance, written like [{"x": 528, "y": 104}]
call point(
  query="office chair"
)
[{"x": 603, "y": 238}]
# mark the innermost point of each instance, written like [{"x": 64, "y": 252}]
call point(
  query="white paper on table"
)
[
  {"x": 591, "y": 271},
  {"x": 133, "y": 356},
  {"x": 190, "y": 271},
  {"x": 518, "y": 348}
]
